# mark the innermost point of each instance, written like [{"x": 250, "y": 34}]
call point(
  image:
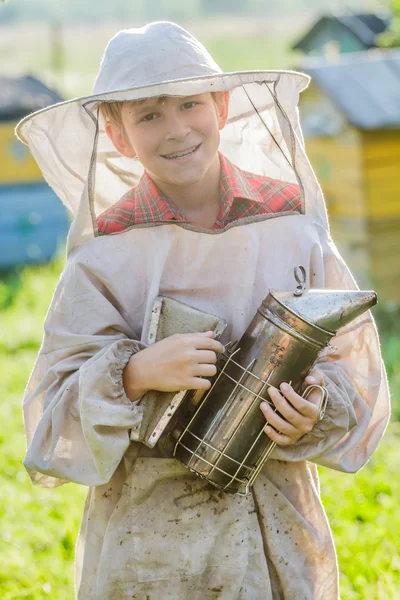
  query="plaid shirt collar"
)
[
  {"x": 152, "y": 205},
  {"x": 242, "y": 195}
]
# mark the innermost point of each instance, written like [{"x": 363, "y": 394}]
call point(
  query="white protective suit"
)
[{"x": 151, "y": 529}]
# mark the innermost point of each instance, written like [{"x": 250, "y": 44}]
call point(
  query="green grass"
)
[
  {"x": 39, "y": 527},
  {"x": 363, "y": 512}
]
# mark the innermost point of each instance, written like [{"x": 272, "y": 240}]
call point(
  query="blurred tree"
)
[
  {"x": 391, "y": 37},
  {"x": 395, "y": 30}
]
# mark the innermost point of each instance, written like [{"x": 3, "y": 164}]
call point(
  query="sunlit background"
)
[{"x": 50, "y": 50}]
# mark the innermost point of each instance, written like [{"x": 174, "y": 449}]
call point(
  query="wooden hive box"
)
[
  {"x": 33, "y": 221},
  {"x": 33, "y": 224},
  {"x": 17, "y": 164},
  {"x": 351, "y": 121}
]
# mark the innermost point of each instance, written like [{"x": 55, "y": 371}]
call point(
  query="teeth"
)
[{"x": 179, "y": 155}]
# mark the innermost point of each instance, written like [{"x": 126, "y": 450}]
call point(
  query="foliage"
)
[
  {"x": 388, "y": 321},
  {"x": 391, "y": 38},
  {"x": 396, "y": 23},
  {"x": 39, "y": 527},
  {"x": 363, "y": 512}
]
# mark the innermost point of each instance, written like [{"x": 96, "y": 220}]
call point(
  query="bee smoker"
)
[
  {"x": 224, "y": 439},
  {"x": 219, "y": 434}
]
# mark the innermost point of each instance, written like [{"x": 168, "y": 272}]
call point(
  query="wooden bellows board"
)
[{"x": 169, "y": 317}]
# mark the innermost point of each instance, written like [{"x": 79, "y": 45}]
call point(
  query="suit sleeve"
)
[
  {"x": 77, "y": 416},
  {"x": 358, "y": 408}
]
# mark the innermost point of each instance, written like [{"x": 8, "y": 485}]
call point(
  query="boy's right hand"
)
[{"x": 179, "y": 362}]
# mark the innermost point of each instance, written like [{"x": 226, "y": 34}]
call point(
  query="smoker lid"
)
[{"x": 328, "y": 309}]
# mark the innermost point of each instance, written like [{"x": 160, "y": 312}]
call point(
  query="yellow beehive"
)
[
  {"x": 351, "y": 122},
  {"x": 17, "y": 164},
  {"x": 33, "y": 221},
  {"x": 18, "y": 97}
]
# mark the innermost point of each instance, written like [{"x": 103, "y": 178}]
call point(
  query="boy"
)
[
  {"x": 177, "y": 141},
  {"x": 205, "y": 231}
]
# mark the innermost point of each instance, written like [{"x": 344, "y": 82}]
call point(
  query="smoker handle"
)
[{"x": 324, "y": 398}]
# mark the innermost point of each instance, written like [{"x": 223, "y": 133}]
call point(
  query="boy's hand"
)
[
  {"x": 179, "y": 362},
  {"x": 299, "y": 415}
]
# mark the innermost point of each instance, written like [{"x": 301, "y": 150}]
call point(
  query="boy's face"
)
[{"x": 175, "y": 139}]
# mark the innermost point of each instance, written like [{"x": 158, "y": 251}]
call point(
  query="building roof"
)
[
  {"x": 20, "y": 96},
  {"x": 365, "y": 86},
  {"x": 363, "y": 26}
]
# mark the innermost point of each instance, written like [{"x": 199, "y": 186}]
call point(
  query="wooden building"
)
[
  {"x": 350, "y": 116},
  {"x": 339, "y": 34},
  {"x": 33, "y": 221}
]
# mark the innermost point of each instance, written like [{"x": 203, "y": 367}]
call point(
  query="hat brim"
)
[{"x": 218, "y": 82}]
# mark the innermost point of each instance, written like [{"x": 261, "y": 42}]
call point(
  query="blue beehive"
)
[
  {"x": 33, "y": 221},
  {"x": 33, "y": 224}
]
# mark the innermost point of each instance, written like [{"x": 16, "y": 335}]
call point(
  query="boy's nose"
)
[{"x": 177, "y": 128}]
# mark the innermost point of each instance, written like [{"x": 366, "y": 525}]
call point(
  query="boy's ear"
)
[
  {"x": 222, "y": 102},
  {"x": 118, "y": 138}
]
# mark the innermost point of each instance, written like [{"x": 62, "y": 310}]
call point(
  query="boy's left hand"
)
[{"x": 299, "y": 415}]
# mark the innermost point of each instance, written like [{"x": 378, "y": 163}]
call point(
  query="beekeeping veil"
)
[
  {"x": 262, "y": 135},
  {"x": 78, "y": 160}
]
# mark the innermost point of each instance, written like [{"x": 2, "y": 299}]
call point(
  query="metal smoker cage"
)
[{"x": 242, "y": 475}]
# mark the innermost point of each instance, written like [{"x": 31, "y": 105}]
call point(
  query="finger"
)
[
  {"x": 277, "y": 422},
  {"x": 204, "y": 370},
  {"x": 206, "y": 357},
  {"x": 198, "y": 383},
  {"x": 210, "y": 333},
  {"x": 303, "y": 406},
  {"x": 206, "y": 343},
  {"x": 278, "y": 438},
  {"x": 287, "y": 411},
  {"x": 315, "y": 377}
]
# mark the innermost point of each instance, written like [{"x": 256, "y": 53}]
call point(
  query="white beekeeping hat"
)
[{"x": 262, "y": 134}]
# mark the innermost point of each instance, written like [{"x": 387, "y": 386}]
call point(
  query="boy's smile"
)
[
  {"x": 182, "y": 155},
  {"x": 175, "y": 138}
]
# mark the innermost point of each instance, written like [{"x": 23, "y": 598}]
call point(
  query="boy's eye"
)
[
  {"x": 150, "y": 117},
  {"x": 189, "y": 104}
]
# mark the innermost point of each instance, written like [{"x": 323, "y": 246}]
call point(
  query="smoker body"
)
[
  {"x": 224, "y": 440},
  {"x": 219, "y": 434}
]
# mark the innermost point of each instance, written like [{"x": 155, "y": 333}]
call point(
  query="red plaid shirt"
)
[{"x": 242, "y": 195}]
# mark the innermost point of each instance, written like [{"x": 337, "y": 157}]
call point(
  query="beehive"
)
[
  {"x": 17, "y": 165},
  {"x": 351, "y": 121},
  {"x": 33, "y": 221},
  {"x": 343, "y": 33}
]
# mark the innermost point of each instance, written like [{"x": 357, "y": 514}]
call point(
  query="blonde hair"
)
[{"x": 111, "y": 111}]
